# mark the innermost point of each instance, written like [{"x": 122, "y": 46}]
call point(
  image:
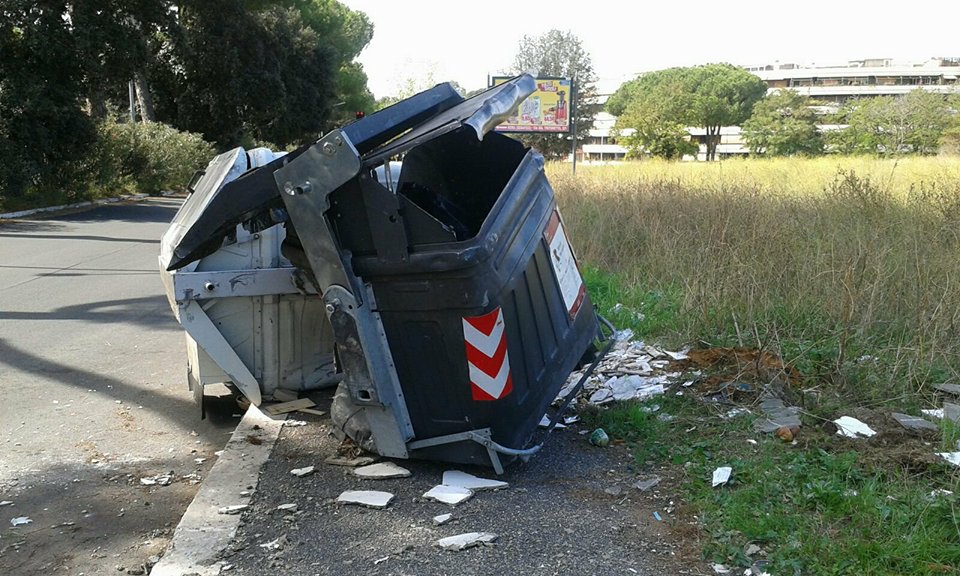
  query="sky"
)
[{"x": 424, "y": 42}]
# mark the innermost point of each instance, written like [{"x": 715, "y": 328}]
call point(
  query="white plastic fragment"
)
[
  {"x": 234, "y": 509},
  {"x": 471, "y": 482},
  {"x": 382, "y": 471},
  {"x": 451, "y": 495},
  {"x": 441, "y": 519},
  {"x": 287, "y": 508},
  {"x": 161, "y": 479},
  {"x": 468, "y": 540},
  {"x": 721, "y": 475},
  {"x": 368, "y": 498},
  {"x": 276, "y": 544},
  {"x": 6, "y": 503},
  {"x": 301, "y": 472},
  {"x": 935, "y": 413},
  {"x": 20, "y": 521},
  {"x": 545, "y": 423},
  {"x": 951, "y": 457},
  {"x": 720, "y": 569},
  {"x": 852, "y": 428},
  {"x": 940, "y": 492}
]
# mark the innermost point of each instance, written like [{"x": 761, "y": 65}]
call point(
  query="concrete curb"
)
[
  {"x": 203, "y": 532},
  {"x": 78, "y": 205}
]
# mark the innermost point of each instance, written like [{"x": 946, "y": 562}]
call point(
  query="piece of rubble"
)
[
  {"x": 442, "y": 519},
  {"x": 287, "y": 508},
  {"x": 936, "y": 413},
  {"x": 614, "y": 490},
  {"x": 349, "y": 462},
  {"x": 293, "y": 423},
  {"x": 471, "y": 482},
  {"x": 720, "y": 569},
  {"x": 913, "y": 422},
  {"x": 6, "y": 503},
  {"x": 20, "y": 521},
  {"x": 648, "y": 484},
  {"x": 277, "y": 544},
  {"x": 852, "y": 428},
  {"x": 951, "y": 412},
  {"x": 233, "y": 509},
  {"x": 451, "y": 495},
  {"x": 545, "y": 423},
  {"x": 601, "y": 396},
  {"x": 368, "y": 498},
  {"x": 159, "y": 479},
  {"x": 777, "y": 415},
  {"x": 948, "y": 388},
  {"x": 301, "y": 472},
  {"x": 293, "y": 406},
  {"x": 381, "y": 471},
  {"x": 951, "y": 457},
  {"x": 721, "y": 475},
  {"x": 468, "y": 540}
]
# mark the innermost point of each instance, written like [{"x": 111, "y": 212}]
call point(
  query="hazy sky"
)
[{"x": 466, "y": 41}]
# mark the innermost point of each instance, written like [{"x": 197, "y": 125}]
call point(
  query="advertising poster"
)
[{"x": 546, "y": 110}]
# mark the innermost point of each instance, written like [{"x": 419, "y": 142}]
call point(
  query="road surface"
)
[{"x": 92, "y": 382}]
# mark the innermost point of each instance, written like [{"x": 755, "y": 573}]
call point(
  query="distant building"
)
[{"x": 857, "y": 78}]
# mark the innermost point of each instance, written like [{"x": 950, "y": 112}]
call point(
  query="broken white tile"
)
[
  {"x": 571, "y": 420},
  {"x": 349, "y": 462},
  {"x": 301, "y": 472},
  {"x": 234, "y": 509},
  {"x": 468, "y": 540},
  {"x": 951, "y": 457},
  {"x": 677, "y": 355},
  {"x": 545, "y": 423},
  {"x": 294, "y": 423},
  {"x": 721, "y": 475},
  {"x": 161, "y": 479},
  {"x": 471, "y": 482},
  {"x": 452, "y": 495},
  {"x": 382, "y": 471},
  {"x": 441, "y": 519},
  {"x": 601, "y": 396},
  {"x": 20, "y": 521},
  {"x": 852, "y": 428},
  {"x": 368, "y": 498}
]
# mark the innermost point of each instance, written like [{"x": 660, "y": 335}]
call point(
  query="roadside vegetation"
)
[{"x": 847, "y": 269}]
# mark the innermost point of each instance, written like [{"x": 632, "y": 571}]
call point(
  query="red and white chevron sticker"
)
[{"x": 486, "y": 341}]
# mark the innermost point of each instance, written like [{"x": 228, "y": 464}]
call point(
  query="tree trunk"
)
[
  {"x": 97, "y": 105},
  {"x": 144, "y": 99}
]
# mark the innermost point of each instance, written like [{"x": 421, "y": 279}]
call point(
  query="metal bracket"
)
[{"x": 227, "y": 283}]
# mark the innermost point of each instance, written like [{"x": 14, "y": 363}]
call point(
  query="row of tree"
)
[
  {"x": 277, "y": 71},
  {"x": 655, "y": 110}
]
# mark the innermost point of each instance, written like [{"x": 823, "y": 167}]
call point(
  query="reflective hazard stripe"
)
[{"x": 485, "y": 339}]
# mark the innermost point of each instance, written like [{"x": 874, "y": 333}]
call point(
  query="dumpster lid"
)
[{"x": 482, "y": 112}]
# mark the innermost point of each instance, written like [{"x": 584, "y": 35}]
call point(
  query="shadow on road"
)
[
  {"x": 154, "y": 210},
  {"x": 180, "y": 411},
  {"x": 150, "y": 311}
]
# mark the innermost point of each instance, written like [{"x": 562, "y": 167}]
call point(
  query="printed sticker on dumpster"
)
[
  {"x": 564, "y": 266},
  {"x": 486, "y": 341}
]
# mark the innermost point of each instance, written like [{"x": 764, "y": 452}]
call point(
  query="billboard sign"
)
[{"x": 546, "y": 110}]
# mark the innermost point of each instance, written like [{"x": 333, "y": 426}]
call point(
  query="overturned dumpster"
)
[{"x": 440, "y": 291}]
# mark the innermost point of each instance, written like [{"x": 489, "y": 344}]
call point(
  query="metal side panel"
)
[{"x": 209, "y": 337}]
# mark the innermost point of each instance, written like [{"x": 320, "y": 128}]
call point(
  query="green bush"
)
[{"x": 146, "y": 158}]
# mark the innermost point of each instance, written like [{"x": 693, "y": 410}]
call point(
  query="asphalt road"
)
[{"x": 93, "y": 395}]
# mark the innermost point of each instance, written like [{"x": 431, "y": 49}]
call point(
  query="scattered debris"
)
[
  {"x": 312, "y": 411},
  {"x": 234, "y": 509},
  {"x": 301, "y": 472},
  {"x": 287, "y": 508},
  {"x": 750, "y": 550},
  {"x": 545, "y": 422},
  {"x": 599, "y": 437},
  {"x": 734, "y": 412},
  {"x": 6, "y": 503},
  {"x": 852, "y": 428},
  {"x": 934, "y": 413},
  {"x": 471, "y": 482},
  {"x": 294, "y": 423},
  {"x": 951, "y": 412},
  {"x": 468, "y": 540},
  {"x": 349, "y": 462},
  {"x": 720, "y": 569},
  {"x": 379, "y": 561},
  {"x": 159, "y": 479},
  {"x": 948, "y": 388},
  {"x": 648, "y": 484},
  {"x": 442, "y": 519},
  {"x": 951, "y": 457},
  {"x": 940, "y": 492},
  {"x": 20, "y": 521},
  {"x": 368, "y": 498},
  {"x": 381, "y": 471},
  {"x": 277, "y": 544},
  {"x": 285, "y": 407},
  {"x": 451, "y": 495},
  {"x": 778, "y": 415},
  {"x": 721, "y": 475},
  {"x": 913, "y": 422},
  {"x": 751, "y": 441},
  {"x": 614, "y": 490},
  {"x": 571, "y": 420}
]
